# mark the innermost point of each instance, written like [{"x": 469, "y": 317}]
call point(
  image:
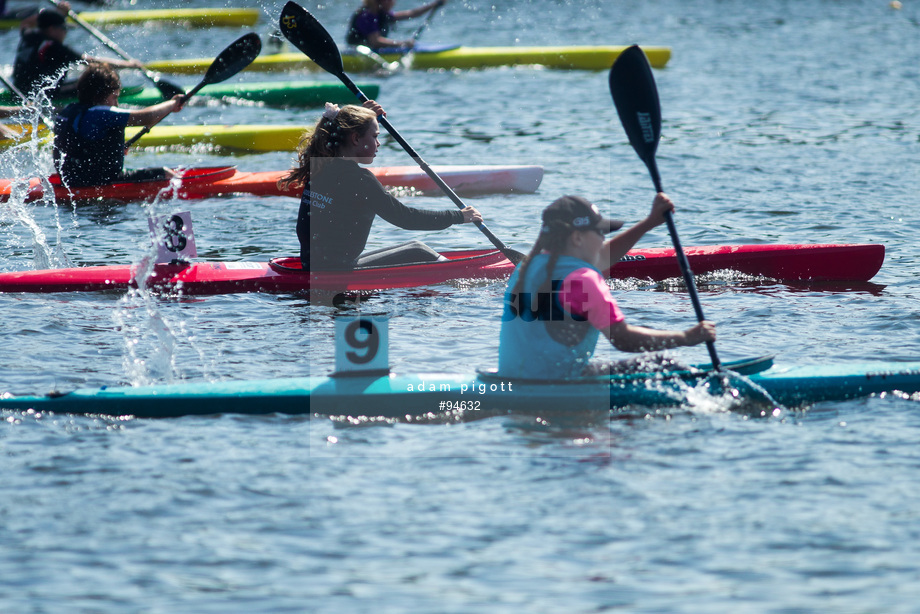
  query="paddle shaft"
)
[
  {"x": 512, "y": 255},
  {"x": 424, "y": 24},
  {"x": 15, "y": 90},
  {"x": 683, "y": 263},
  {"x": 376, "y": 58},
  {"x": 168, "y": 89},
  {"x": 406, "y": 60},
  {"x": 308, "y": 35}
]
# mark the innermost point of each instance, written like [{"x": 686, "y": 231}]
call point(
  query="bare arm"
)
[
  {"x": 418, "y": 11},
  {"x": 377, "y": 40},
  {"x": 628, "y": 338},
  {"x": 617, "y": 247},
  {"x": 148, "y": 116},
  {"x": 113, "y": 62}
]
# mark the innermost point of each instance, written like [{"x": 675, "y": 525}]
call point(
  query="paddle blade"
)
[
  {"x": 308, "y": 35},
  {"x": 632, "y": 86},
  {"x": 237, "y": 56},
  {"x": 167, "y": 89}
]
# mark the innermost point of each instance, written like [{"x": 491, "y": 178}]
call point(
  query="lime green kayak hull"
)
[
  {"x": 566, "y": 58},
  {"x": 232, "y": 138},
  {"x": 199, "y": 18}
]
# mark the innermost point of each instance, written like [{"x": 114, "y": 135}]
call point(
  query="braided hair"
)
[{"x": 325, "y": 141}]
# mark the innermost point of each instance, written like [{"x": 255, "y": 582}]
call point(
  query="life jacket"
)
[
  {"x": 539, "y": 338},
  {"x": 39, "y": 61},
  {"x": 80, "y": 159}
]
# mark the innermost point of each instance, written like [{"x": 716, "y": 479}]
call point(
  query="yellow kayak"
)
[
  {"x": 201, "y": 18},
  {"x": 250, "y": 137},
  {"x": 565, "y": 58}
]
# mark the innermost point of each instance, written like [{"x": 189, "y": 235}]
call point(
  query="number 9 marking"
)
[{"x": 370, "y": 343}]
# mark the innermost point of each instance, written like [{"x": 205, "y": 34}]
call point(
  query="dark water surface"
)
[{"x": 784, "y": 122}]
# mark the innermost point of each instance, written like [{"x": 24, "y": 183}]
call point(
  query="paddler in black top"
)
[
  {"x": 89, "y": 135},
  {"x": 370, "y": 25},
  {"x": 42, "y": 58},
  {"x": 340, "y": 199}
]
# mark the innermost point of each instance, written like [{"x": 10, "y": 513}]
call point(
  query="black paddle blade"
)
[
  {"x": 237, "y": 56},
  {"x": 632, "y": 86},
  {"x": 167, "y": 89},
  {"x": 308, "y": 35}
]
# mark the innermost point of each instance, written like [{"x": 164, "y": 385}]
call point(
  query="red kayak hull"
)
[
  {"x": 278, "y": 276},
  {"x": 781, "y": 262},
  {"x": 817, "y": 262},
  {"x": 207, "y": 182}
]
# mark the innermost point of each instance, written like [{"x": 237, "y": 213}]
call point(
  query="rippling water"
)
[{"x": 784, "y": 122}]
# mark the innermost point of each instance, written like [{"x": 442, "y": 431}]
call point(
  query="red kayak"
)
[
  {"x": 818, "y": 262},
  {"x": 278, "y": 275},
  {"x": 782, "y": 262},
  {"x": 206, "y": 182}
]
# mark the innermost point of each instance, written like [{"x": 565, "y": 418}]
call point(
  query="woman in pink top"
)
[{"x": 558, "y": 302}]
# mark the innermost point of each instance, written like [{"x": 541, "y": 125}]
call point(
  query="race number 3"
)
[{"x": 361, "y": 344}]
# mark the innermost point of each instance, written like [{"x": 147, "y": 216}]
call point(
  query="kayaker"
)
[
  {"x": 89, "y": 135},
  {"x": 370, "y": 24},
  {"x": 558, "y": 303},
  {"x": 340, "y": 199},
  {"x": 42, "y": 58}
]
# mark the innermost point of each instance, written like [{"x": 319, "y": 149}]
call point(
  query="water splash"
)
[
  {"x": 32, "y": 157},
  {"x": 151, "y": 340},
  {"x": 730, "y": 392}
]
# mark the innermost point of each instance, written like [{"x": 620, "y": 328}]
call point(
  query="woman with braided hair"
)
[
  {"x": 340, "y": 199},
  {"x": 558, "y": 302}
]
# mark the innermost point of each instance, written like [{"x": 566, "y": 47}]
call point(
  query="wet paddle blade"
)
[
  {"x": 167, "y": 89},
  {"x": 635, "y": 95},
  {"x": 237, "y": 56},
  {"x": 308, "y": 35}
]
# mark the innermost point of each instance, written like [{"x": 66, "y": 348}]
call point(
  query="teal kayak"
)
[
  {"x": 433, "y": 394},
  {"x": 269, "y": 93}
]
